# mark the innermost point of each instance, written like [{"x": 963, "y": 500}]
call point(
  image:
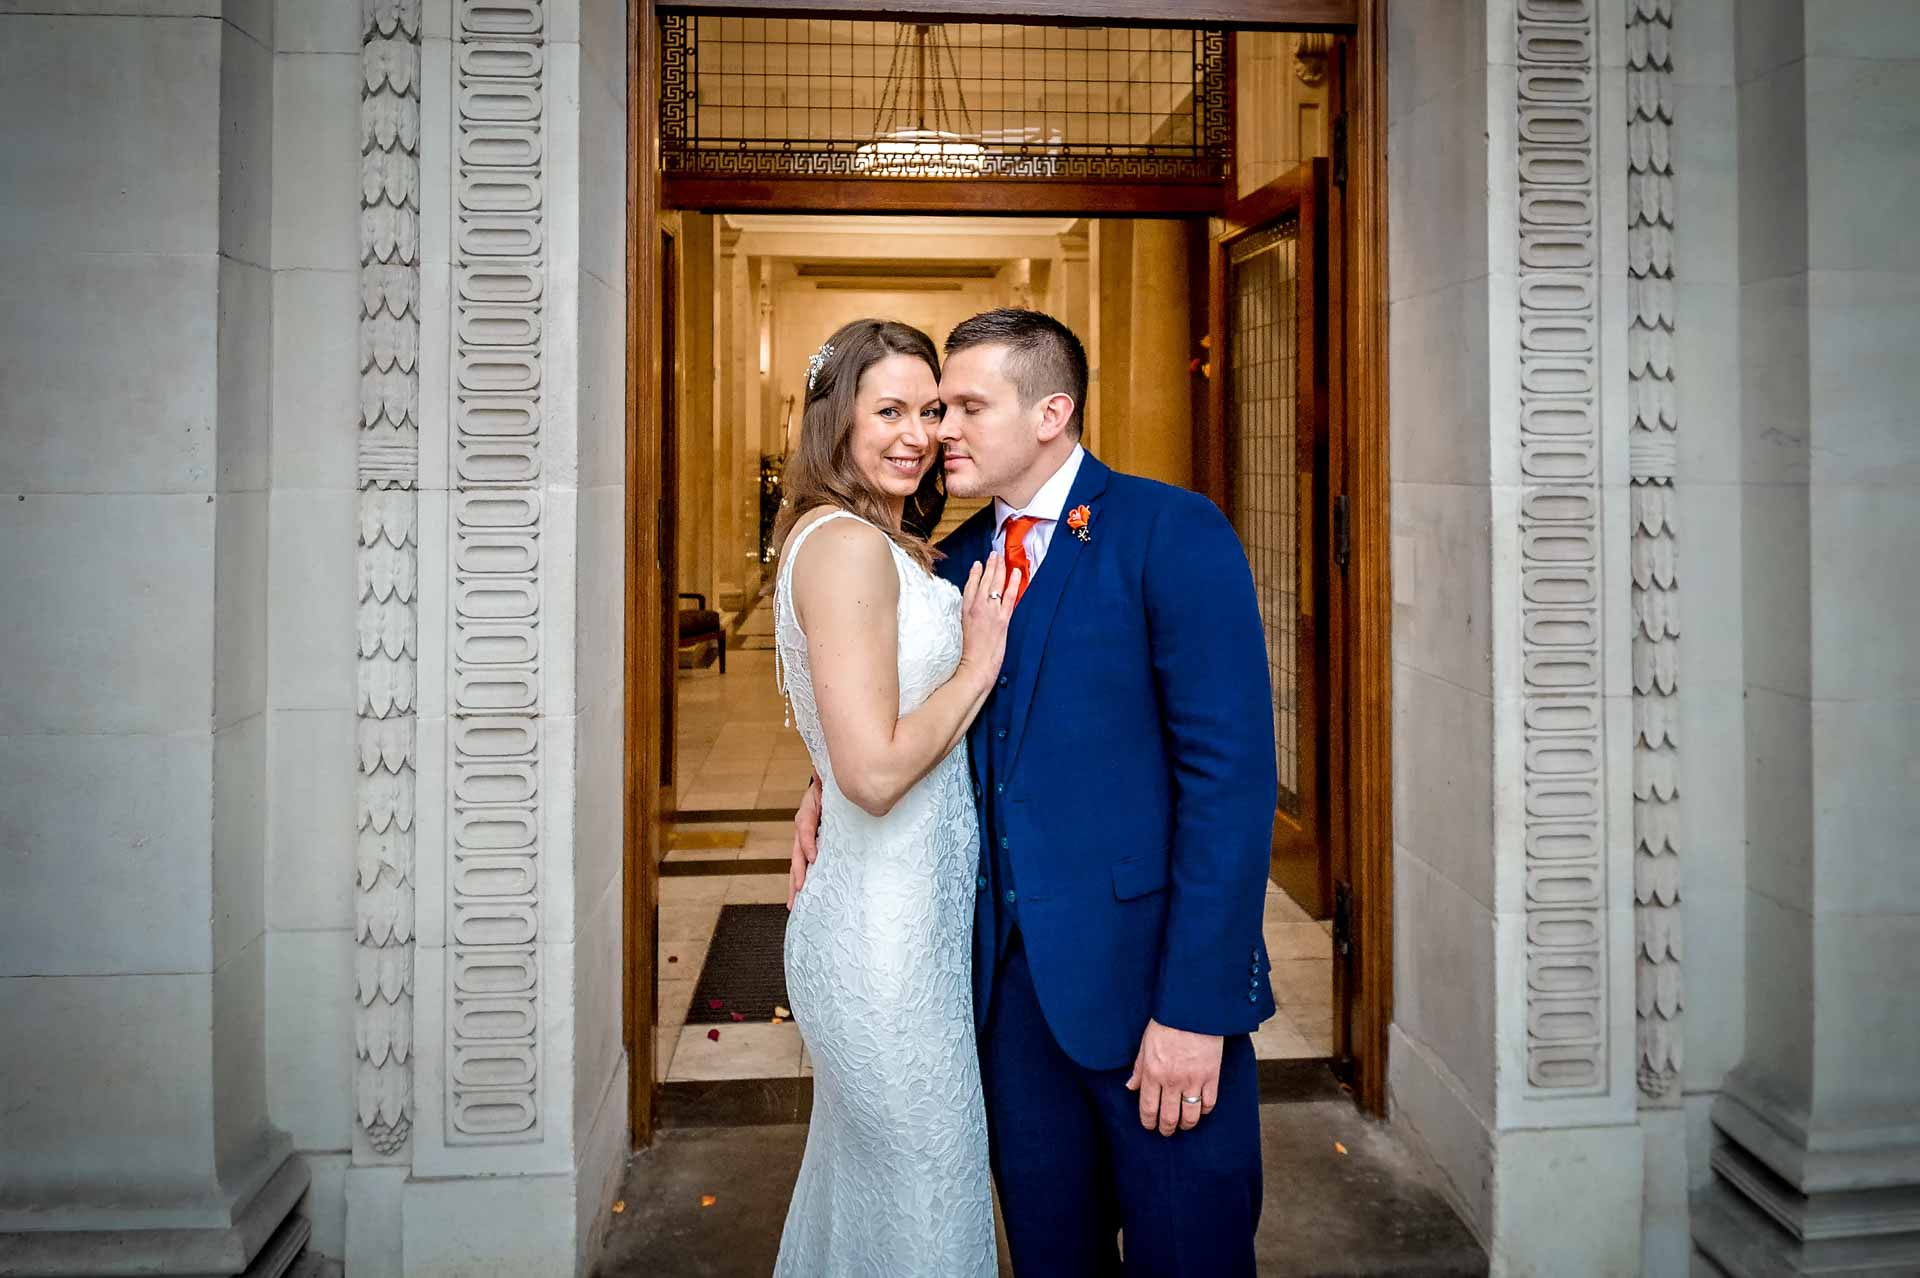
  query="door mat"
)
[
  {"x": 746, "y": 969},
  {"x": 679, "y": 840}
]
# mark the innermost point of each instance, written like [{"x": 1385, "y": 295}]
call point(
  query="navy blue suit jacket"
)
[{"x": 1137, "y": 770}]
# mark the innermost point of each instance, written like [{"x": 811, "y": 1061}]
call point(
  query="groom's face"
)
[{"x": 992, "y": 439}]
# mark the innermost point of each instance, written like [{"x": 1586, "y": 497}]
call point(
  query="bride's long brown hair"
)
[{"x": 822, "y": 471}]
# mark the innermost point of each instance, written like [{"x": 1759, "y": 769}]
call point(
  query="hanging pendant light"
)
[{"x": 914, "y": 132}]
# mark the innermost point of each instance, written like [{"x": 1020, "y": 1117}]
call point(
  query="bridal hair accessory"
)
[
  {"x": 820, "y": 357},
  {"x": 1077, "y": 520}
]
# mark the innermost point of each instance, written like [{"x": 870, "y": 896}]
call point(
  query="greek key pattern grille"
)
[
  {"x": 836, "y": 98},
  {"x": 494, "y": 702},
  {"x": 1560, "y": 582}
]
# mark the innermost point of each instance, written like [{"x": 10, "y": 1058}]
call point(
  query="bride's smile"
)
[{"x": 896, "y": 414}]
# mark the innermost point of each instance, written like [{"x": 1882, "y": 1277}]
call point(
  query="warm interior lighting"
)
[{"x": 920, "y": 153}]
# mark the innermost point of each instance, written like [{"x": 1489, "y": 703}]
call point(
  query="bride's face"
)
[{"x": 896, "y": 412}]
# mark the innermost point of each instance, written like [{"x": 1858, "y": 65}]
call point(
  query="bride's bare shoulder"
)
[{"x": 844, "y": 549}]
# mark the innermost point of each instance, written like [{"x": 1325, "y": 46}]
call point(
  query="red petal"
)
[
  {"x": 736, "y": 1016},
  {"x": 716, "y": 1003},
  {"x": 714, "y": 1034}
]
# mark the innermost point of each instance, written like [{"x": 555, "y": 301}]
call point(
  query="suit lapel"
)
[{"x": 1038, "y": 606}]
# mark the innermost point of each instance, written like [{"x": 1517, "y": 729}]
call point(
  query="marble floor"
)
[
  {"x": 734, "y": 751},
  {"x": 1301, "y": 951}
]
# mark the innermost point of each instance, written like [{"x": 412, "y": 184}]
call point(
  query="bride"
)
[{"x": 885, "y": 667}]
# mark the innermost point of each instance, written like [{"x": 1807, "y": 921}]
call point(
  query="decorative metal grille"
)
[
  {"x": 847, "y": 98},
  {"x": 1261, "y": 403}
]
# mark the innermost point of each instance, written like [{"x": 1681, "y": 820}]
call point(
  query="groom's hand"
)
[
  {"x": 1173, "y": 1064},
  {"x": 806, "y": 831}
]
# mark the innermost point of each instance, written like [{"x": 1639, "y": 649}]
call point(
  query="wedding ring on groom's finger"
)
[{"x": 1189, "y": 1100}]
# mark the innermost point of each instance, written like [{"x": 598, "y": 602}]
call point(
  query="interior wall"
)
[
  {"x": 1157, "y": 437},
  {"x": 805, "y": 316},
  {"x": 1280, "y": 118}
]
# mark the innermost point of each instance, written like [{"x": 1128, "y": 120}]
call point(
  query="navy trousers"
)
[{"x": 1075, "y": 1167}]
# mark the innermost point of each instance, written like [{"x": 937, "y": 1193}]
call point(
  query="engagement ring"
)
[{"x": 994, "y": 595}]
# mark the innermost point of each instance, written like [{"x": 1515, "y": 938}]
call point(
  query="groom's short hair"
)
[{"x": 1043, "y": 355}]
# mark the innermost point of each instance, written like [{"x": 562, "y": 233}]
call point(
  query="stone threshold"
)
[{"x": 765, "y": 1102}]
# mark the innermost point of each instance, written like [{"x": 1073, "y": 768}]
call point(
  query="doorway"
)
[{"x": 1309, "y": 481}]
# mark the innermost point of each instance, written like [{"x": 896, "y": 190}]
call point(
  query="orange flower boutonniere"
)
[{"x": 1077, "y": 520}]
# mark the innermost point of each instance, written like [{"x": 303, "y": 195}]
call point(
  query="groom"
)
[{"x": 1123, "y": 770}]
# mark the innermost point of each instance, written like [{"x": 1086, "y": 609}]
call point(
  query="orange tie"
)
[{"x": 1016, "y": 550}]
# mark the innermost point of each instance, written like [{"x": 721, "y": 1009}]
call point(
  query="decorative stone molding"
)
[
  {"x": 388, "y": 549},
  {"x": 1310, "y": 50},
  {"x": 1562, "y": 709},
  {"x": 495, "y": 800},
  {"x": 1656, "y": 617}
]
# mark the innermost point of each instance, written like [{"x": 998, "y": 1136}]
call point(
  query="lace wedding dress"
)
[{"x": 879, "y": 972}]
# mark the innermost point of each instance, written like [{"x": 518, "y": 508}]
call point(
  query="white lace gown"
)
[{"x": 879, "y": 971}]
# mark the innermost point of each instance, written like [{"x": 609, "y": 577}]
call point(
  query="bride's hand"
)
[{"x": 986, "y": 606}]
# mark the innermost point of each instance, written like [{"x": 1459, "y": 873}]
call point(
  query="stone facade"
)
[{"x": 314, "y": 461}]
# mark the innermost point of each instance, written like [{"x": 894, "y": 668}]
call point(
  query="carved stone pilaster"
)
[
  {"x": 1656, "y": 612},
  {"x": 495, "y": 881},
  {"x": 1561, "y": 588},
  {"x": 388, "y": 548}
]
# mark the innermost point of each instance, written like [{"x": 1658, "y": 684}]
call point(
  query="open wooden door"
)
[
  {"x": 666, "y": 543},
  {"x": 1268, "y": 298}
]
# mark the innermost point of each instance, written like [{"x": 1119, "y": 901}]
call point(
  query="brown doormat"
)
[
  {"x": 746, "y": 967},
  {"x": 679, "y": 840}
]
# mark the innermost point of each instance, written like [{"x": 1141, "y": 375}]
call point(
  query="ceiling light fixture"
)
[{"x": 907, "y": 141}]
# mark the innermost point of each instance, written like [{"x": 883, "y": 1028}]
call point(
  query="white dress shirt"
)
[{"x": 1047, "y": 505}]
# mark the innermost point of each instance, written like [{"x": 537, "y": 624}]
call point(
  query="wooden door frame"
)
[
  {"x": 1363, "y": 665},
  {"x": 640, "y": 764}
]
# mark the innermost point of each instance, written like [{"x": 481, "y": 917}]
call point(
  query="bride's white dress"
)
[{"x": 879, "y": 971}]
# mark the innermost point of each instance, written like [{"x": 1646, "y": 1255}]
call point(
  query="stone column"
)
[
  {"x": 133, "y": 723},
  {"x": 1513, "y": 1047},
  {"x": 697, "y": 405},
  {"x": 1112, "y": 298},
  {"x": 1159, "y": 407},
  {"x": 727, "y": 563},
  {"x": 520, "y": 1085},
  {"x": 1071, "y": 280},
  {"x": 1818, "y": 1166}
]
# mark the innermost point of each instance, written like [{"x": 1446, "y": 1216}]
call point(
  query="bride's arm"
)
[{"x": 848, "y": 599}]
